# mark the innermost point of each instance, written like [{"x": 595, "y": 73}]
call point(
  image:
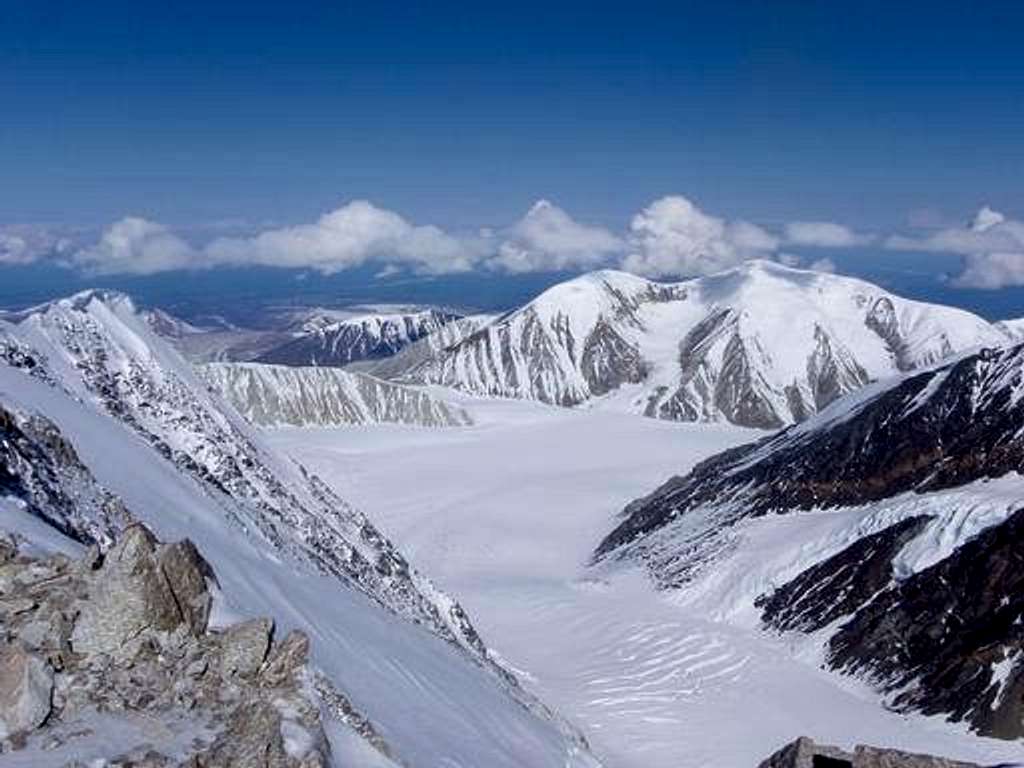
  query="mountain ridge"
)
[{"x": 761, "y": 345}]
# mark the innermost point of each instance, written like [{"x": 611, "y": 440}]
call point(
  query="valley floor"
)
[{"x": 504, "y": 515}]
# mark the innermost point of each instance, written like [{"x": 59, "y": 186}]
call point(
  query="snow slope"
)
[
  {"x": 760, "y": 345},
  {"x": 269, "y": 395},
  {"x": 506, "y": 514},
  {"x": 281, "y": 542}
]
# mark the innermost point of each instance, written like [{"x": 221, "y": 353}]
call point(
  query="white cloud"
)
[
  {"x": 26, "y": 244},
  {"x": 670, "y": 237},
  {"x": 139, "y": 247},
  {"x": 823, "y": 265},
  {"x": 992, "y": 248},
  {"x": 673, "y": 237},
  {"x": 357, "y": 233},
  {"x": 547, "y": 239},
  {"x": 823, "y": 234}
]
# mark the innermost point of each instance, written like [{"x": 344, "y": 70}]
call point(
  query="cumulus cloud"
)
[
  {"x": 136, "y": 246},
  {"x": 547, "y": 239},
  {"x": 823, "y": 234},
  {"x": 823, "y": 265},
  {"x": 670, "y": 237},
  {"x": 26, "y": 244},
  {"x": 357, "y": 233},
  {"x": 673, "y": 237},
  {"x": 992, "y": 247}
]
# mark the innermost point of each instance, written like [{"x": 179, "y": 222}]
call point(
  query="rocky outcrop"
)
[
  {"x": 26, "y": 690},
  {"x": 950, "y": 638},
  {"x": 805, "y": 753},
  {"x": 40, "y": 467},
  {"x": 838, "y": 586},
  {"x": 125, "y": 636}
]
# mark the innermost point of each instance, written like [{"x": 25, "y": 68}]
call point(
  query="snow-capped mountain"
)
[
  {"x": 273, "y": 395},
  {"x": 103, "y": 423},
  {"x": 426, "y": 349},
  {"x": 762, "y": 345},
  {"x": 905, "y": 559},
  {"x": 333, "y": 340}
]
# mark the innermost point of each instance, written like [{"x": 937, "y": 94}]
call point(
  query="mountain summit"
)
[{"x": 762, "y": 345}]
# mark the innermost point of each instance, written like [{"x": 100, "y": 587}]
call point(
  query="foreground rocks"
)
[
  {"x": 804, "y": 753},
  {"x": 90, "y": 648}
]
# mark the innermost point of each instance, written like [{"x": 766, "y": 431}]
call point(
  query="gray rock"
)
[
  {"x": 253, "y": 737},
  {"x": 8, "y": 549},
  {"x": 142, "y": 586},
  {"x": 138, "y": 622},
  {"x": 26, "y": 690},
  {"x": 805, "y": 753},
  {"x": 186, "y": 573},
  {"x": 244, "y": 646},
  {"x": 286, "y": 660},
  {"x": 128, "y": 595}
]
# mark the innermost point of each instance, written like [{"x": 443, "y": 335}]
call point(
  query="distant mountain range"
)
[{"x": 761, "y": 345}]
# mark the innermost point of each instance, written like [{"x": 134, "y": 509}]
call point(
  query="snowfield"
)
[{"x": 505, "y": 515}]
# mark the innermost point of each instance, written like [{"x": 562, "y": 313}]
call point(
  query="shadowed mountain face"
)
[
  {"x": 938, "y": 429},
  {"x": 761, "y": 345},
  {"x": 940, "y": 634},
  {"x": 950, "y": 639}
]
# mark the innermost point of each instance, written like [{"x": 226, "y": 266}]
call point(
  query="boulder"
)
[
  {"x": 805, "y": 753},
  {"x": 142, "y": 586},
  {"x": 128, "y": 595},
  {"x": 186, "y": 573},
  {"x": 286, "y": 660},
  {"x": 244, "y": 646},
  {"x": 252, "y": 737},
  {"x": 26, "y": 690}
]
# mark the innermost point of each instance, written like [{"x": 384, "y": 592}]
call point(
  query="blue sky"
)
[{"x": 888, "y": 118}]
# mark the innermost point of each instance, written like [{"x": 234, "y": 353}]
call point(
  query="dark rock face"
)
[
  {"x": 840, "y": 585},
  {"x": 938, "y": 429},
  {"x": 944, "y": 631},
  {"x": 609, "y": 361},
  {"x": 126, "y": 635},
  {"x": 804, "y": 753},
  {"x": 832, "y": 374},
  {"x": 41, "y": 468}
]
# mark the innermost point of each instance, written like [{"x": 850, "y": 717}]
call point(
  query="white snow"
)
[
  {"x": 505, "y": 514},
  {"x": 781, "y": 317},
  {"x": 426, "y": 697}
]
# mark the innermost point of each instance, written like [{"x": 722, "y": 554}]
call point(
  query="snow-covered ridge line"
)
[
  {"x": 276, "y": 395},
  {"x": 761, "y": 345},
  {"x": 184, "y": 461}
]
